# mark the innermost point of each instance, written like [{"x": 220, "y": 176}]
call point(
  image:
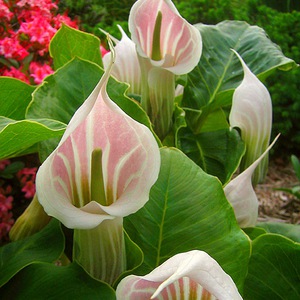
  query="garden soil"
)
[{"x": 275, "y": 205}]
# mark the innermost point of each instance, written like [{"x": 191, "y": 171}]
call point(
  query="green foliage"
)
[
  {"x": 295, "y": 190},
  {"x": 17, "y": 255},
  {"x": 95, "y": 14},
  {"x": 187, "y": 210},
  {"x": 272, "y": 256}
]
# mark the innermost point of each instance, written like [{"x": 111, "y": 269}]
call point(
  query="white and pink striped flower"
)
[
  {"x": 190, "y": 275},
  {"x": 167, "y": 45},
  {"x": 101, "y": 171},
  {"x": 178, "y": 43},
  {"x": 130, "y": 164}
]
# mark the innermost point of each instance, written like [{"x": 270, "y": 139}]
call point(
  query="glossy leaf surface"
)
[
  {"x": 187, "y": 210},
  {"x": 69, "y": 43},
  {"x": 17, "y": 255},
  {"x": 273, "y": 269},
  {"x": 55, "y": 282}
]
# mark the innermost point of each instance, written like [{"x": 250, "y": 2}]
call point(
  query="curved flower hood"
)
[
  {"x": 240, "y": 193},
  {"x": 252, "y": 112},
  {"x": 179, "y": 43},
  {"x": 189, "y": 275},
  {"x": 130, "y": 164},
  {"x": 126, "y": 67}
]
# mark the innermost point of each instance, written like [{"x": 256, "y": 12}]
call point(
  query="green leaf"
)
[
  {"x": 44, "y": 246},
  {"x": 64, "y": 91},
  {"x": 17, "y": 136},
  {"x": 291, "y": 231},
  {"x": 188, "y": 210},
  {"x": 254, "y": 232},
  {"x": 296, "y": 165},
  {"x": 219, "y": 71},
  {"x": 216, "y": 152},
  {"x": 273, "y": 269},
  {"x": 69, "y": 43},
  {"x": 48, "y": 281},
  {"x": 15, "y": 96}
]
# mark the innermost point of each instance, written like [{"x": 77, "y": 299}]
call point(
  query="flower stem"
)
[{"x": 101, "y": 250}]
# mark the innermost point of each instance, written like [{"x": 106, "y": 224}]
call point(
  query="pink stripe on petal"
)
[
  {"x": 179, "y": 39},
  {"x": 131, "y": 162},
  {"x": 189, "y": 275}
]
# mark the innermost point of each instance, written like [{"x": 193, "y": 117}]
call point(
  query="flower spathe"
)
[
  {"x": 126, "y": 67},
  {"x": 101, "y": 171},
  {"x": 189, "y": 275},
  {"x": 252, "y": 112},
  {"x": 130, "y": 164},
  {"x": 180, "y": 43},
  {"x": 240, "y": 193},
  {"x": 167, "y": 45}
]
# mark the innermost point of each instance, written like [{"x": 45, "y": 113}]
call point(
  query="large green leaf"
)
[
  {"x": 188, "y": 210},
  {"x": 292, "y": 231},
  {"x": 44, "y": 246},
  {"x": 16, "y": 137},
  {"x": 273, "y": 269},
  {"x": 69, "y": 43},
  {"x": 47, "y": 281},
  {"x": 15, "y": 96},
  {"x": 219, "y": 69},
  {"x": 216, "y": 152},
  {"x": 64, "y": 91}
]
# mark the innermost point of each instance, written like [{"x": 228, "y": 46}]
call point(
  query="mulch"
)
[{"x": 274, "y": 205}]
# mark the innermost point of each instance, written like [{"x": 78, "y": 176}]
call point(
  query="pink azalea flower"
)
[
  {"x": 4, "y": 163},
  {"x": 103, "y": 50},
  {"x": 15, "y": 73},
  {"x": 60, "y": 19},
  {"x": 27, "y": 178},
  {"x": 5, "y": 13},
  {"x": 39, "y": 71},
  {"x": 5, "y": 203},
  {"x": 38, "y": 30},
  {"x": 10, "y": 47},
  {"x": 29, "y": 189}
]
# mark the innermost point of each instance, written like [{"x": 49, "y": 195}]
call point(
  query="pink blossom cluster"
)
[
  {"x": 24, "y": 180},
  {"x": 6, "y": 216},
  {"x": 27, "y": 180},
  {"x": 26, "y": 28}
]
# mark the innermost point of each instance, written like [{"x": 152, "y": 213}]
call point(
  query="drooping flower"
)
[
  {"x": 101, "y": 171},
  {"x": 167, "y": 45},
  {"x": 251, "y": 112},
  {"x": 190, "y": 275},
  {"x": 240, "y": 193},
  {"x": 126, "y": 68}
]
